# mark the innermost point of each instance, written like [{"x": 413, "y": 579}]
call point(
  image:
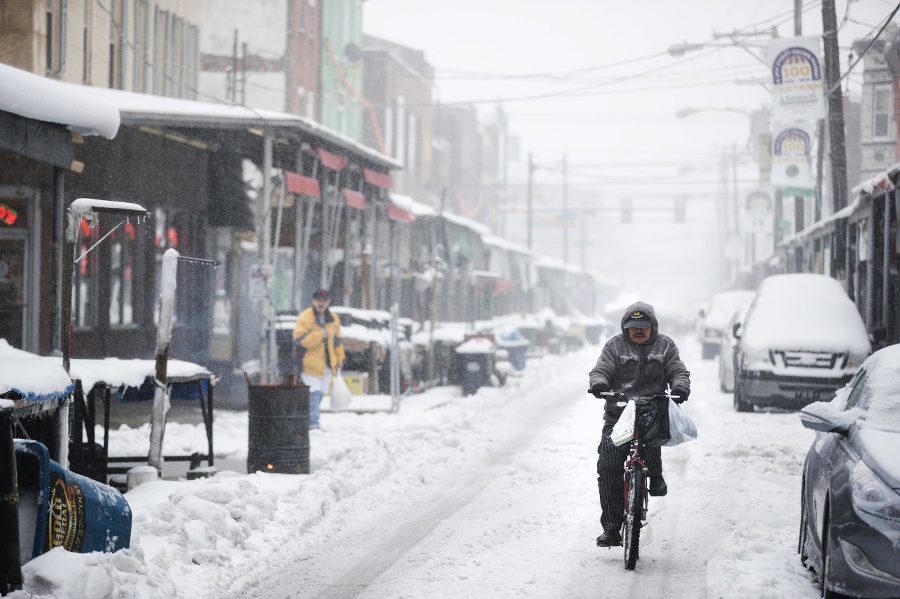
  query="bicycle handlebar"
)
[{"x": 610, "y": 395}]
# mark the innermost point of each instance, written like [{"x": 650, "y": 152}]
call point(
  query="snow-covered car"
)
[
  {"x": 726, "y": 351},
  {"x": 850, "y": 494},
  {"x": 721, "y": 308},
  {"x": 798, "y": 344}
]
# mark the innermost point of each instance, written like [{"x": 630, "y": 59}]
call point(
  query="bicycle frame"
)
[{"x": 635, "y": 459}]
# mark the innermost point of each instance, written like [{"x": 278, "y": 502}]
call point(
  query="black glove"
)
[
  {"x": 680, "y": 394},
  {"x": 599, "y": 387}
]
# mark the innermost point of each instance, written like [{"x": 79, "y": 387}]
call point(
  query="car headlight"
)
[
  {"x": 871, "y": 495},
  {"x": 854, "y": 360},
  {"x": 753, "y": 355}
]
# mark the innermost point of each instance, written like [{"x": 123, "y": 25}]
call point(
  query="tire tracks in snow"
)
[{"x": 376, "y": 553}]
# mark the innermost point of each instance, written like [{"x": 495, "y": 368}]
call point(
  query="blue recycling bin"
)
[
  {"x": 59, "y": 508},
  {"x": 516, "y": 345}
]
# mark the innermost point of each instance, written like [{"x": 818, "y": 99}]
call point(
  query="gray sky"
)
[{"x": 609, "y": 92}]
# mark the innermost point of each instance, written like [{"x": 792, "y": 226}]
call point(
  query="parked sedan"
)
[{"x": 850, "y": 494}]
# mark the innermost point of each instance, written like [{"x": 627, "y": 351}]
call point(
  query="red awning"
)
[
  {"x": 354, "y": 199},
  {"x": 399, "y": 214},
  {"x": 335, "y": 162},
  {"x": 301, "y": 184},
  {"x": 382, "y": 180}
]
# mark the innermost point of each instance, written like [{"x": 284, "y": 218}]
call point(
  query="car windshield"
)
[{"x": 881, "y": 396}]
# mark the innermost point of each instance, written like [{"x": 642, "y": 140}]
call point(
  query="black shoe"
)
[
  {"x": 658, "y": 486},
  {"x": 609, "y": 538}
]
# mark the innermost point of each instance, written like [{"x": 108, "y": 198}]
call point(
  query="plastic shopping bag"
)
[
  {"x": 340, "y": 393},
  {"x": 681, "y": 427},
  {"x": 653, "y": 418},
  {"x": 623, "y": 429}
]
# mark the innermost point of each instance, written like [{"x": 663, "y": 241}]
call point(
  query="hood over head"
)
[{"x": 640, "y": 312}]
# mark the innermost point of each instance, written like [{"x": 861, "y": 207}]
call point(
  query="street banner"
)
[
  {"x": 791, "y": 146},
  {"x": 759, "y": 206},
  {"x": 797, "y": 79}
]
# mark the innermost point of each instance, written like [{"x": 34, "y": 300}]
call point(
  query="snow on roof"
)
[
  {"x": 43, "y": 99},
  {"x": 40, "y": 378},
  {"x": 882, "y": 181},
  {"x": 132, "y": 373},
  {"x": 467, "y": 222},
  {"x": 411, "y": 205},
  {"x": 499, "y": 242},
  {"x": 143, "y": 109}
]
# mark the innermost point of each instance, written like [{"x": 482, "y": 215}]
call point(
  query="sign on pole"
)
[
  {"x": 791, "y": 144},
  {"x": 797, "y": 79}
]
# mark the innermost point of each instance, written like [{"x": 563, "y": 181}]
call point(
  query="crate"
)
[{"x": 358, "y": 382}]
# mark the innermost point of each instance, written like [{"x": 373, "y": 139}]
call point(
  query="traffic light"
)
[
  {"x": 679, "y": 210},
  {"x": 625, "y": 212}
]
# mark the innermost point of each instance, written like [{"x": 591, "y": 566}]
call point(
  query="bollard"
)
[{"x": 10, "y": 558}]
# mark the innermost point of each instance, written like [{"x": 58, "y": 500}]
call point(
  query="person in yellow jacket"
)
[{"x": 320, "y": 350}]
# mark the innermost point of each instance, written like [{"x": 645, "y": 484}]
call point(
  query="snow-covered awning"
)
[
  {"x": 883, "y": 181},
  {"x": 43, "y": 99},
  {"x": 156, "y": 111}
]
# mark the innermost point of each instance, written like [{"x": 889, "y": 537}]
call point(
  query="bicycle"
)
[{"x": 636, "y": 489}]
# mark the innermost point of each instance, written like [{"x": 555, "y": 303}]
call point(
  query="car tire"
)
[
  {"x": 804, "y": 523},
  {"x": 740, "y": 404},
  {"x": 824, "y": 575}
]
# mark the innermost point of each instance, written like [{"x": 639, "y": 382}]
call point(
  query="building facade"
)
[
  {"x": 341, "y": 67},
  {"x": 399, "y": 117},
  {"x": 261, "y": 54}
]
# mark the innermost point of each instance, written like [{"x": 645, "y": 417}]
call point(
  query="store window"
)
[
  {"x": 84, "y": 279},
  {"x": 121, "y": 275},
  {"x": 882, "y": 113}
]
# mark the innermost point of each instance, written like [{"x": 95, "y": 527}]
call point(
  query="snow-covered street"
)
[{"x": 490, "y": 495}]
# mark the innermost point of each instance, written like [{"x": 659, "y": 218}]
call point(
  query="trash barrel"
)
[
  {"x": 517, "y": 346},
  {"x": 278, "y": 429},
  {"x": 475, "y": 362},
  {"x": 58, "y": 508}
]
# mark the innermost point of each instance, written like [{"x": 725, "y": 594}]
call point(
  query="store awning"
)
[
  {"x": 382, "y": 180},
  {"x": 398, "y": 214},
  {"x": 335, "y": 162},
  {"x": 354, "y": 199},
  {"x": 301, "y": 184}
]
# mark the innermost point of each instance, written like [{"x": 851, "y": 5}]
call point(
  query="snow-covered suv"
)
[{"x": 802, "y": 339}]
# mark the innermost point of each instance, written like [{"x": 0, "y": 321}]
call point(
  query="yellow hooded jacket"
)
[{"x": 313, "y": 345}]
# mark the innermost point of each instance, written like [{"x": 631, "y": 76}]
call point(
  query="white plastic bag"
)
[
  {"x": 681, "y": 427},
  {"x": 623, "y": 429},
  {"x": 340, "y": 393}
]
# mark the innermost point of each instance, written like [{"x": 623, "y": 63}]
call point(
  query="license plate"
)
[{"x": 805, "y": 396}]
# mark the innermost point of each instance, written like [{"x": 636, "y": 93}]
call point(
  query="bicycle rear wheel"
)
[{"x": 633, "y": 508}]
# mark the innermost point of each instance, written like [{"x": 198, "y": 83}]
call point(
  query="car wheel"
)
[
  {"x": 740, "y": 404},
  {"x": 825, "y": 574},
  {"x": 804, "y": 519}
]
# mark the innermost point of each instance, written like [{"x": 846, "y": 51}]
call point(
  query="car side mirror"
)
[
  {"x": 823, "y": 417},
  {"x": 736, "y": 330}
]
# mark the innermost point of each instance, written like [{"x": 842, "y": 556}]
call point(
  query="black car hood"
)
[{"x": 880, "y": 449}]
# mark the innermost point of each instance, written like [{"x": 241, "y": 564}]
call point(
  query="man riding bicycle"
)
[{"x": 638, "y": 362}]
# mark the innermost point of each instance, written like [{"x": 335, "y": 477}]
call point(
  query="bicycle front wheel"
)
[{"x": 633, "y": 507}]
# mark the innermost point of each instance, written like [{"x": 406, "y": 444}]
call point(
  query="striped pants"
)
[{"x": 610, "y": 473}]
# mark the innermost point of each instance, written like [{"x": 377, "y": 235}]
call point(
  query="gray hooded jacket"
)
[{"x": 639, "y": 370}]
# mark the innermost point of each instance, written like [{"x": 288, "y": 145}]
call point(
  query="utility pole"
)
[
  {"x": 565, "y": 199},
  {"x": 530, "y": 172},
  {"x": 798, "y": 17},
  {"x": 835, "y": 101}
]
